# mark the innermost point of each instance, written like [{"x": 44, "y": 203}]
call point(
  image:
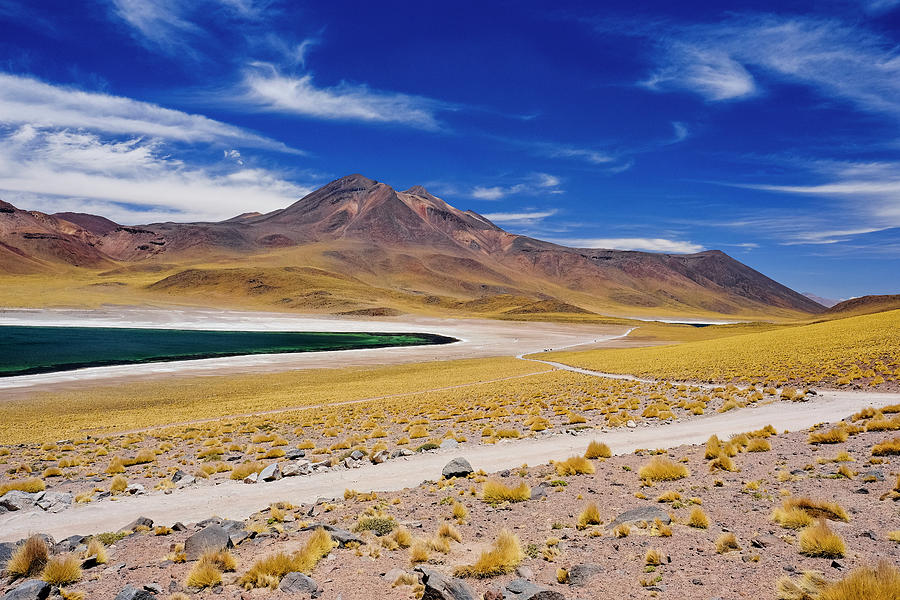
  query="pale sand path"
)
[
  {"x": 237, "y": 500},
  {"x": 479, "y": 338}
]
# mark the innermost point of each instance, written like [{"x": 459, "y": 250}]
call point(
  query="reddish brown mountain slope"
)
[{"x": 409, "y": 243}]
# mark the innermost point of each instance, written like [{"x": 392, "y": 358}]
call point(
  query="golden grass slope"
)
[{"x": 863, "y": 349}]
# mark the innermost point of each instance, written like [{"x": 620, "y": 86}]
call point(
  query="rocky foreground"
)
[{"x": 737, "y": 518}]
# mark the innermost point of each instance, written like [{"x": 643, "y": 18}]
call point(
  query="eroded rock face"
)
[
  {"x": 212, "y": 537},
  {"x": 441, "y": 587},
  {"x": 458, "y": 467}
]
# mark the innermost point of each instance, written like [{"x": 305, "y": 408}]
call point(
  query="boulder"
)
[
  {"x": 579, "y": 575},
  {"x": 380, "y": 457},
  {"x": 458, "y": 467},
  {"x": 139, "y": 522},
  {"x": 33, "y": 589},
  {"x": 295, "y": 453},
  {"x": 290, "y": 470},
  {"x": 212, "y": 537},
  {"x": 182, "y": 479},
  {"x": 357, "y": 455},
  {"x": 341, "y": 536},
  {"x": 129, "y": 592},
  {"x": 17, "y": 500},
  {"x": 641, "y": 514},
  {"x": 55, "y": 502},
  {"x": 449, "y": 443},
  {"x": 69, "y": 544},
  {"x": 6, "y": 551},
  {"x": 270, "y": 473},
  {"x": 522, "y": 589},
  {"x": 441, "y": 587},
  {"x": 298, "y": 583},
  {"x": 538, "y": 492}
]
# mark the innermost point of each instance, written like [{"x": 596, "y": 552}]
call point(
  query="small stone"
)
[
  {"x": 298, "y": 583},
  {"x": 357, "y": 455},
  {"x": 525, "y": 572},
  {"x": 380, "y": 457},
  {"x": 630, "y": 424},
  {"x": 836, "y": 565}
]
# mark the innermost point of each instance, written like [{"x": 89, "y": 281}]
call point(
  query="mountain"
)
[
  {"x": 357, "y": 244},
  {"x": 826, "y": 302},
  {"x": 863, "y": 305}
]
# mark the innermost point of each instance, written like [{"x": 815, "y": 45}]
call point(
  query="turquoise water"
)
[{"x": 25, "y": 350}]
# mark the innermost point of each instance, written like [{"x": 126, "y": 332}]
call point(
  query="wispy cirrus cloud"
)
[
  {"x": 132, "y": 180},
  {"x": 632, "y": 243},
  {"x": 535, "y": 183},
  {"x": 725, "y": 60},
  {"x": 521, "y": 219},
  {"x": 266, "y": 88},
  {"x": 28, "y": 101}
]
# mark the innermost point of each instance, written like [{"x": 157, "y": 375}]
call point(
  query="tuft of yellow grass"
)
[
  {"x": 97, "y": 551},
  {"x": 722, "y": 462},
  {"x": 663, "y": 469},
  {"x": 816, "y": 508},
  {"x": 820, "y": 540},
  {"x": 879, "y": 583},
  {"x": 496, "y": 492},
  {"x": 621, "y": 530},
  {"x": 504, "y": 556},
  {"x": 269, "y": 571},
  {"x": 589, "y": 516},
  {"x": 446, "y": 530},
  {"x": 792, "y": 518},
  {"x": 835, "y": 435},
  {"x": 597, "y": 450},
  {"x": 698, "y": 519},
  {"x": 574, "y": 465},
  {"x": 402, "y": 537},
  {"x": 887, "y": 448},
  {"x": 62, "y": 570},
  {"x": 653, "y": 558},
  {"x": 460, "y": 512},
  {"x": 726, "y": 543},
  {"x": 759, "y": 445},
  {"x": 419, "y": 552},
  {"x": 118, "y": 484},
  {"x": 713, "y": 447},
  {"x": 203, "y": 575},
  {"x": 28, "y": 559},
  {"x": 30, "y": 485}
]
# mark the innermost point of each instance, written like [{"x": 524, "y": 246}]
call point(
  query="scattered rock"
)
[
  {"x": 522, "y": 589},
  {"x": 290, "y": 470},
  {"x": 179, "y": 526},
  {"x": 6, "y": 551},
  {"x": 16, "y": 500},
  {"x": 67, "y": 545},
  {"x": 579, "y": 575},
  {"x": 139, "y": 522},
  {"x": 458, "y": 467},
  {"x": 876, "y": 475},
  {"x": 213, "y": 537},
  {"x": 55, "y": 502},
  {"x": 295, "y": 453},
  {"x": 270, "y": 473},
  {"x": 630, "y": 424},
  {"x": 251, "y": 478},
  {"x": 182, "y": 479},
  {"x": 129, "y": 592},
  {"x": 298, "y": 583},
  {"x": 392, "y": 575},
  {"x": 380, "y": 457},
  {"x": 449, "y": 443},
  {"x": 33, "y": 589},
  {"x": 641, "y": 514},
  {"x": 135, "y": 489},
  {"x": 357, "y": 455},
  {"x": 538, "y": 492},
  {"x": 441, "y": 587}
]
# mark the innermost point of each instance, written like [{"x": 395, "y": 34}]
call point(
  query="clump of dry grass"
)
[
  {"x": 698, "y": 519},
  {"x": 245, "y": 469},
  {"x": 460, "y": 512},
  {"x": 203, "y": 575},
  {"x": 713, "y": 447},
  {"x": 806, "y": 587},
  {"x": 269, "y": 571},
  {"x": 30, "y": 485},
  {"x": 621, "y": 530},
  {"x": 419, "y": 552},
  {"x": 653, "y": 558},
  {"x": 759, "y": 445},
  {"x": 820, "y": 540},
  {"x": 574, "y": 465},
  {"x": 722, "y": 462},
  {"x": 28, "y": 559},
  {"x": 402, "y": 537},
  {"x": 118, "y": 484},
  {"x": 503, "y": 557},
  {"x": 887, "y": 448},
  {"x": 670, "y": 496},
  {"x": 597, "y": 450},
  {"x": 589, "y": 516},
  {"x": 865, "y": 583},
  {"x": 62, "y": 570},
  {"x": 662, "y": 469},
  {"x": 727, "y": 542},
  {"x": 97, "y": 551},
  {"x": 814, "y": 508},
  {"x": 835, "y": 435},
  {"x": 496, "y": 492},
  {"x": 448, "y": 531}
]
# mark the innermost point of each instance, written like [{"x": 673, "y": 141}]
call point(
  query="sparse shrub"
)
[
  {"x": 698, "y": 519},
  {"x": 589, "y": 516},
  {"x": 269, "y": 571},
  {"x": 245, "y": 469},
  {"x": 28, "y": 559},
  {"x": 403, "y": 537},
  {"x": 459, "y": 512},
  {"x": 574, "y": 465},
  {"x": 378, "y": 524},
  {"x": 880, "y": 583},
  {"x": 419, "y": 552},
  {"x": 496, "y": 492},
  {"x": 887, "y": 448},
  {"x": 722, "y": 463},
  {"x": 816, "y": 509},
  {"x": 713, "y": 447},
  {"x": 203, "y": 575},
  {"x": 118, "y": 484},
  {"x": 597, "y": 450},
  {"x": 502, "y": 558},
  {"x": 62, "y": 570},
  {"x": 653, "y": 558},
  {"x": 30, "y": 485},
  {"x": 759, "y": 445},
  {"x": 819, "y": 540},
  {"x": 97, "y": 551},
  {"x": 662, "y": 469},
  {"x": 621, "y": 530},
  {"x": 835, "y": 435},
  {"x": 727, "y": 542},
  {"x": 670, "y": 496}
]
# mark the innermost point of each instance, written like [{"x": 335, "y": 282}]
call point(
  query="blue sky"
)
[{"x": 769, "y": 132}]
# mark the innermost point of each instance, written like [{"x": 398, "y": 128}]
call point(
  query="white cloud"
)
[
  {"x": 645, "y": 244},
  {"x": 64, "y": 170},
  {"x": 711, "y": 74},
  {"x": 535, "y": 183},
  {"x": 681, "y": 132},
  {"x": 24, "y": 100},
  {"x": 519, "y": 218},
  {"x": 488, "y": 193},
  {"x": 266, "y": 88},
  {"x": 839, "y": 60}
]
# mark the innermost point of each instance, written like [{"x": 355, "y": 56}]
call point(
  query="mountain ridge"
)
[{"x": 410, "y": 243}]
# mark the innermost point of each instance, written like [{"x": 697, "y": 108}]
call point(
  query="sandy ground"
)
[
  {"x": 237, "y": 500},
  {"x": 478, "y": 338}
]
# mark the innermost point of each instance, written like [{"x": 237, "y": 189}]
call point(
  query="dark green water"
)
[{"x": 25, "y": 350}]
